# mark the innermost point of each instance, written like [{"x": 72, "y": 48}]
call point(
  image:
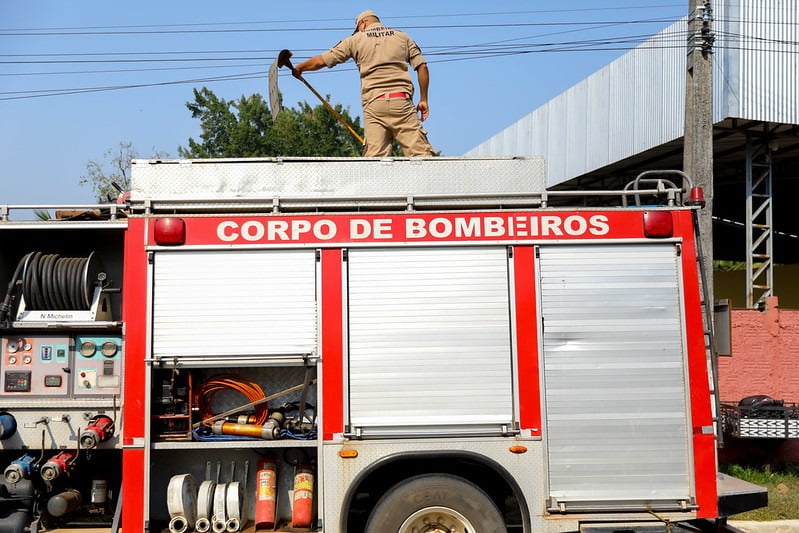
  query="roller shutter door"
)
[
  {"x": 617, "y": 427},
  {"x": 234, "y": 303},
  {"x": 429, "y": 340}
]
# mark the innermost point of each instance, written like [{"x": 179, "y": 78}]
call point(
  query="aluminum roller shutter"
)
[
  {"x": 234, "y": 303},
  {"x": 429, "y": 340},
  {"x": 614, "y": 373}
]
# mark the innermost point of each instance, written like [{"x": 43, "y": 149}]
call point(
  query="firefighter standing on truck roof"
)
[{"x": 383, "y": 55}]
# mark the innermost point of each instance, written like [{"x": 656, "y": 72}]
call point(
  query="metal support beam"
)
[{"x": 759, "y": 222}]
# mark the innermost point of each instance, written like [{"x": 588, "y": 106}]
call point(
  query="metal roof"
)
[{"x": 629, "y": 116}]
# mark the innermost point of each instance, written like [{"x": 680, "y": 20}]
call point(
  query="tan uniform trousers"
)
[{"x": 386, "y": 119}]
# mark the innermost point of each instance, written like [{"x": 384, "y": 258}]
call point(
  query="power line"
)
[
  {"x": 562, "y": 47},
  {"x": 121, "y": 70},
  {"x": 171, "y": 60},
  {"x": 125, "y": 59},
  {"x": 18, "y": 95},
  {"x": 61, "y": 33},
  {"x": 144, "y": 53},
  {"x": 507, "y": 47},
  {"x": 62, "y": 92},
  {"x": 296, "y": 21}
]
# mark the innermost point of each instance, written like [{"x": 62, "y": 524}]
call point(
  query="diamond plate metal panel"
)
[
  {"x": 527, "y": 470},
  {"x": 60, "y": 423},
  {"x": 222, "y": 179},
  {"x": 768, "y": 428}
]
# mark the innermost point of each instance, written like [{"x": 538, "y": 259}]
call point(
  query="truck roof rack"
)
[{"x": 280, "y": 185}]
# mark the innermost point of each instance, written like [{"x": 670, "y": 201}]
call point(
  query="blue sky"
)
[{"x": 490, "y": 64}]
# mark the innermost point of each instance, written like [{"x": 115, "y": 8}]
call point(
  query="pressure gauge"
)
[
  {"x": 26, "y": 346},
  {"x": 87, "y": 348},
  {"x": 109, "y": 348},
  {"x": 12, "y": 346},
  {"x": 12, "y": 360}
]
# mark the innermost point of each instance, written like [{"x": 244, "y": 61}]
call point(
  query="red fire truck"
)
[{"x": 349, "y": 345}]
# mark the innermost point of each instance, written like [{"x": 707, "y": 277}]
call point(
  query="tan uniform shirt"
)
[{"x": 382, "y": 55}]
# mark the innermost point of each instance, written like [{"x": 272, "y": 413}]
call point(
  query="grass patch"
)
[{"x": 783, "y": 492}]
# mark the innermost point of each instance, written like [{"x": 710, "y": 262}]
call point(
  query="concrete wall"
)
[{"x": 765, "y": 360}]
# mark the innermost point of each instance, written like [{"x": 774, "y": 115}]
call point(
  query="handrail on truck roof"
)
[{"x": 661, "y": 188}]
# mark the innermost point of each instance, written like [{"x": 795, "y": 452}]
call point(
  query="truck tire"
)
[{"x": 434, "y": 503}]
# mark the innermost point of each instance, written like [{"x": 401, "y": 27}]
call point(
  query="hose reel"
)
[
  {"x": 68, "y": 288},
  {"x": 50, "y": 281}
]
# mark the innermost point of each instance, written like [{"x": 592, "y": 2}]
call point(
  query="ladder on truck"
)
[{"x": 708, "y": 325}]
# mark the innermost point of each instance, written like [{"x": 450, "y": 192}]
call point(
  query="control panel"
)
[
  {"x": 35, "y": 365},
  {"x": 98, "y": 365},
  {"x": 60, "y": 365}
]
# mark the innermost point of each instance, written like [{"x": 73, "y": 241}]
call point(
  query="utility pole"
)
[
  {"x": 698, "y": 136},
  {"x": 698, "y": 159}
]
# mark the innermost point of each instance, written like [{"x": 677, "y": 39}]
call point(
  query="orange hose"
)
[{"x": 204, "y": 394}]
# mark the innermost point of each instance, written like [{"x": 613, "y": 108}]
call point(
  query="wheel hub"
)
[{"x": 436, "y": 520}]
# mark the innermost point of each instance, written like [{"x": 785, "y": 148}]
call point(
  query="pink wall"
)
[
  {"x": 765, "y": 360},
  {"x": 765, "y": 355}
]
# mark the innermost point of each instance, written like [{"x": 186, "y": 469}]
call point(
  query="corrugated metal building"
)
[
  {"x": 636, "y": 103},
  {"x": 629, "y": 117}
]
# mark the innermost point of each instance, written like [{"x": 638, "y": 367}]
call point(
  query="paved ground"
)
[{"x": 777, "y": 526}]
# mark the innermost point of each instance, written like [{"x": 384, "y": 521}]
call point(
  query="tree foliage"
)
[
  {"x": 113, "y": 169},
  {"x": 237, "y": 128},
  {"x": 244, "y": 128}
]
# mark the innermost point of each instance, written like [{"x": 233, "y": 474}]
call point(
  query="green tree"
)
[
  {"x": 113, "y": 169},
  {"x": 244, "y": 128}
]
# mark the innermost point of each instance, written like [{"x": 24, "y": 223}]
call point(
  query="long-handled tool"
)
[
  {"x": 284, "y": 60},
  {"x": 253, "y": 404}
]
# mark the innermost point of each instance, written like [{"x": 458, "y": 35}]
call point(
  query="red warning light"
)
[
  {"x": 170, "y": 231},
  {"x": 658, "y": 224}
]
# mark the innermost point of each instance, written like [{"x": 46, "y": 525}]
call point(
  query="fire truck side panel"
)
[
  {"x": 436, "y": 337},
  {"x": 134, "y": 313},
  {"x": 529, "y": 385},
  {"x": 704, "y": 440},
  {"x": 617, "y": 419},
  {"x": 332, "y": 342},
  {"x": 644, "y": 279}
]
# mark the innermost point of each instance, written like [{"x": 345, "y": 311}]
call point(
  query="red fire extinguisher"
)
[
  {"x": 266, "y": 494},
  {"x": 302, "y": 511}
]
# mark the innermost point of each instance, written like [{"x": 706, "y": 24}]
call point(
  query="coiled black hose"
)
[{"x": 52, "y": 282}]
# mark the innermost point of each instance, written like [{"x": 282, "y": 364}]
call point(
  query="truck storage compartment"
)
[
  {"x": 61, "y": 370},
  {"x": 255, "y": 453}
]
